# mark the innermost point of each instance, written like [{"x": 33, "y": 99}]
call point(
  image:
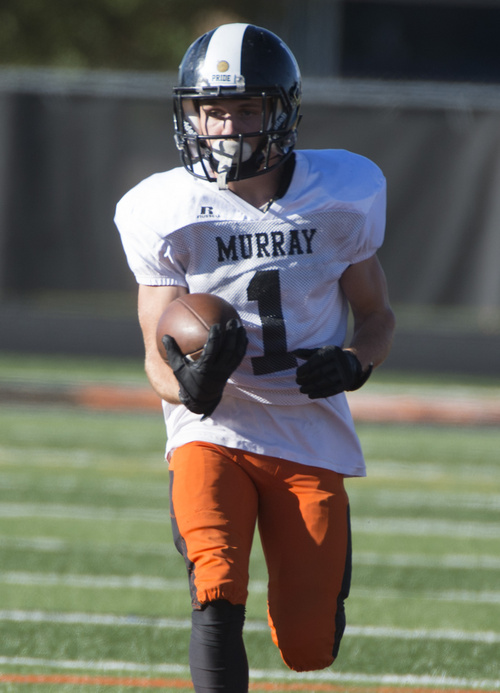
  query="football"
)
[{"x": 188, "y": 320}]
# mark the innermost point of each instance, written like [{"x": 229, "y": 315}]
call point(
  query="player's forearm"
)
[
  {"x": 372, "y": 338},
  {"x": 162, "y": 379}
]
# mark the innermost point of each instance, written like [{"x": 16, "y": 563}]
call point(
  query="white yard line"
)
[
  {"x": 399, "y": 560},
  {"x": 419, "y": 560},
  {"x": 459, "y": 596},
  {"x": 19, "y": 616},
  {"x": 55, "y": 545},
  {"x": 367, "y": 525},
  {"x": 442, "y": 499},
  {"x": 75, "y": 512},
  {"x": 393, "y": 469},
  {"x": 144, "y": 582},
  {"x": 256, "y": 674},
  {"x": 426, "y": 527},
  {"x": 77, "y": 458},
  {"x": 141, "y": 582}
]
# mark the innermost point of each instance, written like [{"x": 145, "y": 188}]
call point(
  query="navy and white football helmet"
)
[{"x": 237, "y": 61}]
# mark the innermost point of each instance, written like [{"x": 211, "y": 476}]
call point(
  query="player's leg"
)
[
  {"x": 213, "y": 511},
  {"x": 217, "y": 653},
  {"x": 305, "y": 529}
]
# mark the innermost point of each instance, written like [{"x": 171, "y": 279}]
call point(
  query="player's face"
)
[{"x": 225, "y": 120}]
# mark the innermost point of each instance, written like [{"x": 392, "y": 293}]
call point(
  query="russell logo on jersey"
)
[{"x": 207, "y": 213}]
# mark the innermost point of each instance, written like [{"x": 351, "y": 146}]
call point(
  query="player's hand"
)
[
  {"x": 202, "y": 382},
  {"x": 328, "y": 371}
]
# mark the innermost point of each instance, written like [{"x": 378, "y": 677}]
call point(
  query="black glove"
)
[
  {"x": 328, "y": 371},
  {"x": 201, "y": 382}
]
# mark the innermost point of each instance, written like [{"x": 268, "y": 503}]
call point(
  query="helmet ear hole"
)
[{"x": 238, "y": 61}]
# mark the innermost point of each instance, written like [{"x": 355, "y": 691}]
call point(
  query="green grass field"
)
[{"x": 91, "y": 585}]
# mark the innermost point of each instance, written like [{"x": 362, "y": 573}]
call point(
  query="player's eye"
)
[
  {"x": 250, "y": 113},
  {"x": 215, "y": 113}
]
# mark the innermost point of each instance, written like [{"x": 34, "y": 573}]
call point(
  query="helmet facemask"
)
[
  {"x": 237, "y": 61},
  {"x": 235, "y": 157}
]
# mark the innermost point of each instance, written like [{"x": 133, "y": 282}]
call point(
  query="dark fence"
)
[{"x": 72, "y": 143}]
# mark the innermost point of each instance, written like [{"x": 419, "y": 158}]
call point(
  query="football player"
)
[{"x": 259, "y": 430}]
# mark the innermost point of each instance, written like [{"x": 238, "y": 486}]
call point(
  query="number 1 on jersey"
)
[{"x": 265, "y": 289}]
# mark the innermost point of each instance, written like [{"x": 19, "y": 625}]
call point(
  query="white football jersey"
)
[{"x": 280, "y": 269}]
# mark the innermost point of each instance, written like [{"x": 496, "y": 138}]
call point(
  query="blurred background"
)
[{"x": 85, "y": 114}]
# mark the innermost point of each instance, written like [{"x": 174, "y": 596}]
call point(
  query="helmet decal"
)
[{"x": 222, "y": 64}]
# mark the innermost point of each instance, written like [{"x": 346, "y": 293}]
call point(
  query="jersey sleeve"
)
[
  {"x": 148, "y": 251},
  {"x": 371, "y": 236},
  {"x": 352, "y": 189}
]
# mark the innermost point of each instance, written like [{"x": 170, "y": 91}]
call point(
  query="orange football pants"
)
[{"x": 218, "y": 495}]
